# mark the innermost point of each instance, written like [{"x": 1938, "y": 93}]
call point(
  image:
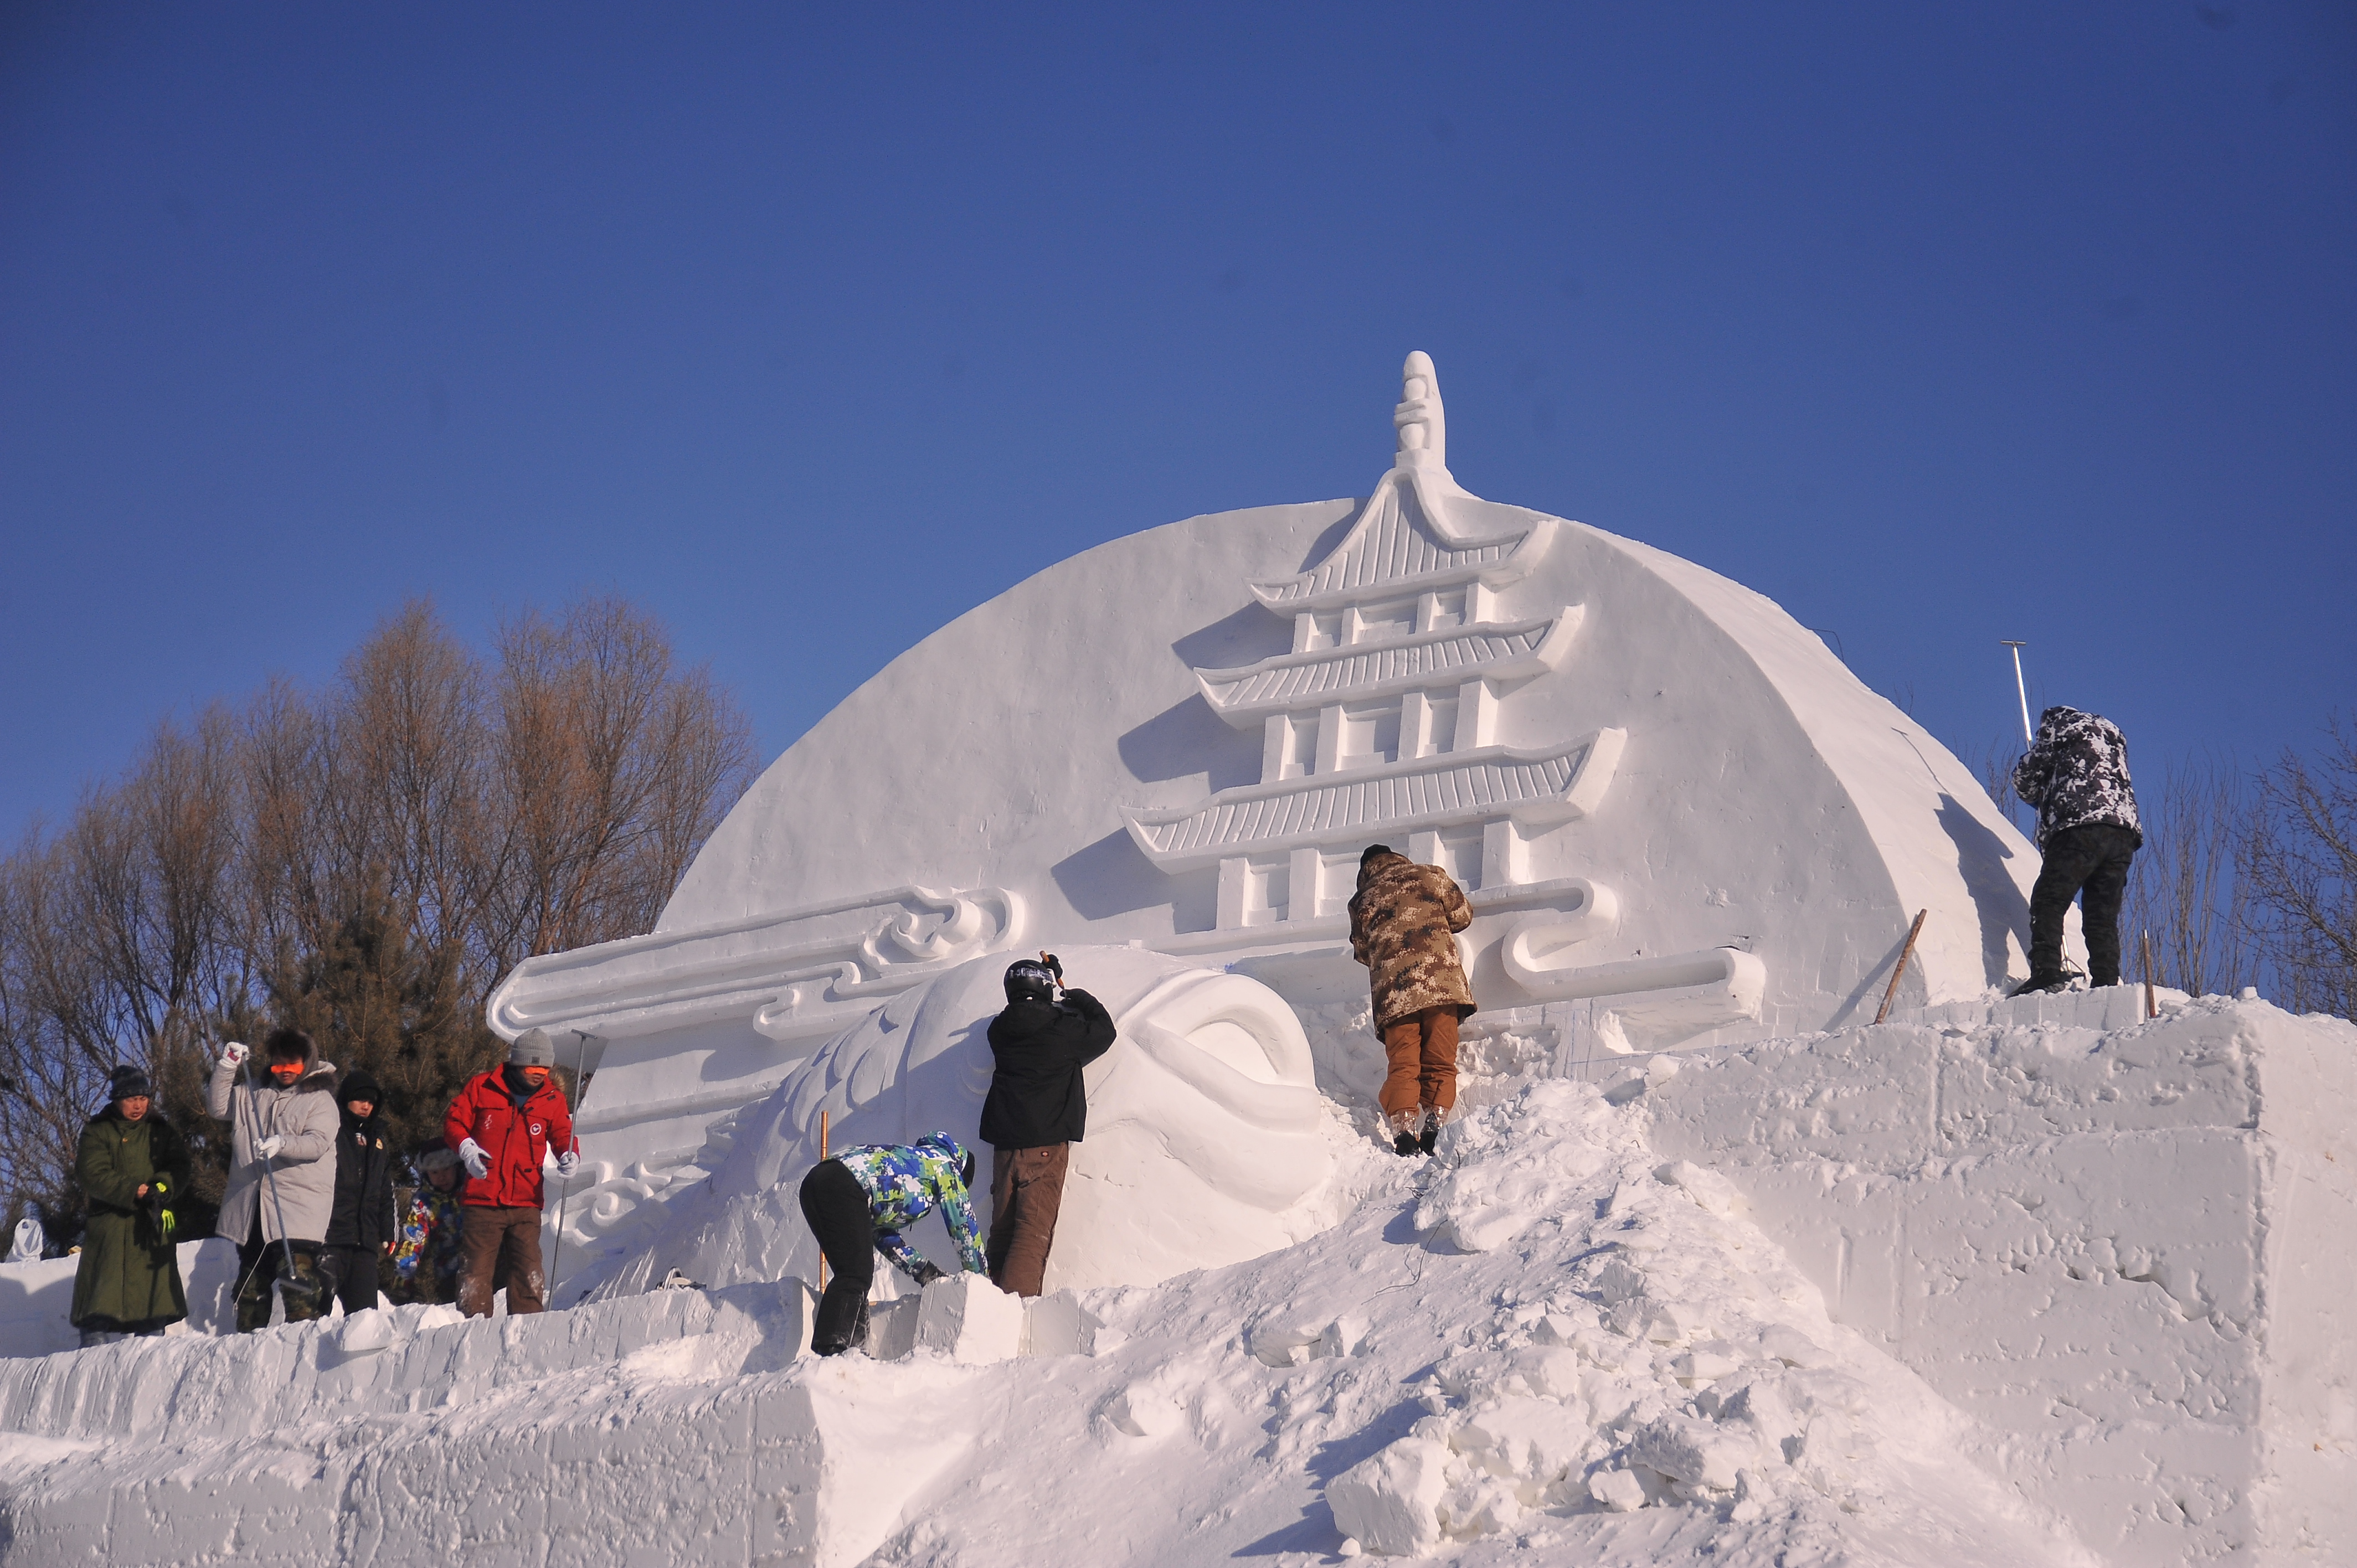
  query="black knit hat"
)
[
  {"x": 359, "y": 1084},
  {"x": 129, "y": 1083},
  {"x": 1373, "y": 850}
]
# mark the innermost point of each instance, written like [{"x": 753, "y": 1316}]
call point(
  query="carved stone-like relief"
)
[{"x": 796, "y": 973}]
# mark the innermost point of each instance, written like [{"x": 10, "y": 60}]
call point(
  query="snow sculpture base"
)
[{"x": 2130, "y": 1251}]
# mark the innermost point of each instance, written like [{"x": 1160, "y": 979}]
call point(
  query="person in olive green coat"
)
[{"x": 132, "y": 1167}]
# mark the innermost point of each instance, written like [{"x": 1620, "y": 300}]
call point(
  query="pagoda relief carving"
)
[{"x": 1382, "y": 721}]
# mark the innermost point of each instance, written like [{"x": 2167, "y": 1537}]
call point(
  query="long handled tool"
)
[
  {"x": 822, "y": 1159},
  {"x": 1900, "y": 968},
  {"x": 564, "y": 1190},
  {"x": 2151, "y": 1003},
  {"x": 2021, "y": 689}
]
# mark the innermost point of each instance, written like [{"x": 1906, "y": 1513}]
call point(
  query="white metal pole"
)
[{"x": 2020, "y": 690}]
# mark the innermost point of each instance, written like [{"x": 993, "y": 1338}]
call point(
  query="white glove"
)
[
  {"x": 479, "y": 1164},
  {"x": 268, "y": 1148},
  {"x": 235, "y": 1054},
  {"x": 567, "y": 1163}
]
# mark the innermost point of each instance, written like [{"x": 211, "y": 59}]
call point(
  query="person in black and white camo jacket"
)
[{"x": 2077, "y": 776}]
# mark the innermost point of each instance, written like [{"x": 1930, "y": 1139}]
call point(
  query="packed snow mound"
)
[
  {"x": 1208, "y": 1139},
  {"x": 1542, "y": 1345}
]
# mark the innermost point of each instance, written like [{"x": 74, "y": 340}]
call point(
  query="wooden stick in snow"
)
[
  {"x": 1899, "y": 969},
  {"x": 2151, "y": 1003}
]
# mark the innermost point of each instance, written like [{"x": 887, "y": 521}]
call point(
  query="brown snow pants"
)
[
  {"x": 506, "y": 1240},
  {"x": 1027, "y": 1189},
  {"x": 1422, "y": 1051}
]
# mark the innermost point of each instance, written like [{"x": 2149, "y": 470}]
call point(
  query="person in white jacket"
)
[{"x": 281, "y": 1173}]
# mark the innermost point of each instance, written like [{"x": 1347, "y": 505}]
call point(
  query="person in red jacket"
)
[{"x": 502, "y": 1124}]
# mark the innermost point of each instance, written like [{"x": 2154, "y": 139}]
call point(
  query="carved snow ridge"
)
[
  {"x": 784, "y": 969},
  {"x": 1245, "y": 695},
  {"x": 1537, "y": 788}
]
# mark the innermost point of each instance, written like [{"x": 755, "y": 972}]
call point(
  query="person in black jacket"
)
[
  {"x": 361, "y": 1227},
  {"x": 1037, "y": 1110}
]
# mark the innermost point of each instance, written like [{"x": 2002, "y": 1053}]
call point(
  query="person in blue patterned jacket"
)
[{"x": 859, "y": 1202}]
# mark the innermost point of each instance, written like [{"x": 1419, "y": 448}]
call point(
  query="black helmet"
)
[{"x": 1028, "y": 980}]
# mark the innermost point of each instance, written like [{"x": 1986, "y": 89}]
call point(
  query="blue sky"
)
[{"x": 811, "y": 327}]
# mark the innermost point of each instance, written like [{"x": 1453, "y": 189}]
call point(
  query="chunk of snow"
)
[
  {"x": 1389, "y": 1502},
  {"x": 1617, "y": 1490},
  {"x": 970, "y": 1320}
]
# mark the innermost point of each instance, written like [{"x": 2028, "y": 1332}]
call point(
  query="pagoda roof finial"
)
[{"x": 1423, "y": 428}]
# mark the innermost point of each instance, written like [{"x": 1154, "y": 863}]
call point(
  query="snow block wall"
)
[
  {"x": 2124, "y": 1246},
  {"x": 36, "y": 1298}
]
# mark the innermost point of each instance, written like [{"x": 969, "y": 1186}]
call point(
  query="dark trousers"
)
[
  {"x": 259, "y": 1263},
  {"x": 835, "y": 1206},
  {"x": 2090, "y": 863},
  {"x": 505, "y": 1242},
  {"x": 349, "y": 1273},
  {"x": 1026, "y": 1190}
]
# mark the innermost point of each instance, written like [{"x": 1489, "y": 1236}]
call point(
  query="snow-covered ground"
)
[{"x": 1570, "y": 1336}]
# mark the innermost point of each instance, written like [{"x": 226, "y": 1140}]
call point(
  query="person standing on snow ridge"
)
[
  {"x": 1404, "y": 918},
  {"x": 1037, "y": 1110},
  {"x": 427, "y": 1256},
  {"x": 132, "y": 1166},
  {"x": 361, "y": 1224},
  {"x": 858, "y": 1203},
  {"x": 281, "y": 1179},
  {"x": 502, "y": 1124},
  {"x": 2077, "y": 777}
]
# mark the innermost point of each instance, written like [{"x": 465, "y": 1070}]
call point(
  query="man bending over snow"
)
[{"x": 858, "y": 1203}]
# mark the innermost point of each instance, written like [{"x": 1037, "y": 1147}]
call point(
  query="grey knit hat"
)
[{"x": 531, "y": 1049}]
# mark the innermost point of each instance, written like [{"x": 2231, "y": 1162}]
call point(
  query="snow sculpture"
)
[
  {"x": 1208, "y": 1141},
  {"x": 1679, "y": 818}
]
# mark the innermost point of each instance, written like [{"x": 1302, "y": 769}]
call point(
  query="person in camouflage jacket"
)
[
  {"x": 1403, "y": 920},
  {"x": 859, "y": 1202},
  {"x": 2076, "y": 774},
  {"x": 426, "y": 1247}
]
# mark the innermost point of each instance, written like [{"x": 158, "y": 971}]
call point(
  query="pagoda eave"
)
[
  {"x": 1538, "y": 787},
  {"x": 1420, "y": 665}
]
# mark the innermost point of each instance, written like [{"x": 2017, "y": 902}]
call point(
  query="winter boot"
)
[
  {"x": 304, "y": 1290},
  {"x": 2055, "y": 980},
  {"x": 1404, "y": 1138},
  {"x": 1431, "y": 1134}
]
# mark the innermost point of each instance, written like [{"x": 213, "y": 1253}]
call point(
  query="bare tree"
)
[
  {"x": 612, "y": 768},
  {"x": 2183, "y": 890},
  {"x": 366, "y": 863},
  {"x": 2301, "y": 861}
]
